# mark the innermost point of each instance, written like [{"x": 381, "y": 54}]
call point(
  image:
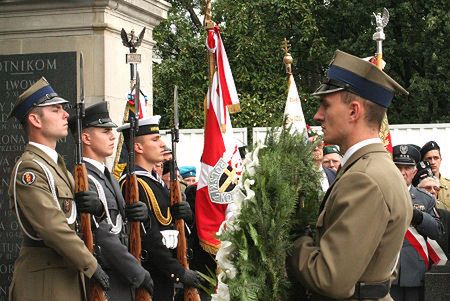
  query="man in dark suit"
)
[
  {"x": 425, "y": 225},
  {"x": 366, "y": 211},
  {"x": 105, "y": 202},
  {"x": 165, "y": 269}
]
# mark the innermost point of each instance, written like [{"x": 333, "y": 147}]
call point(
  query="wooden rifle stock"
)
[
  {"x": 96, "y": 292},
  {"x": 132, "y": 197},
  {"x": 190, "y": 293}
]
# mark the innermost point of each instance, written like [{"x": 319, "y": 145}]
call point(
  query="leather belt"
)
[
  {"x": 363, "y": 290},
  {"x": 371, "y": 290},
  {"x": 28, "y": 242}
]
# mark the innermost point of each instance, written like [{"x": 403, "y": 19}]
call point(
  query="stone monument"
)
[{"x": 43, "y": 38}]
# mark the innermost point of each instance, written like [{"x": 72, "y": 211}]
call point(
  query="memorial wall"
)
[
  {"x": 44, "y": 38},
  {"x": 17, "y": 73}
]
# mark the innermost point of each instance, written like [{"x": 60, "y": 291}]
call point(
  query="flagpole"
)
[
  {"x": 381, "y": 21},
  {"x": 287, "y": 59},
  {"x": 209, "y": 25}
]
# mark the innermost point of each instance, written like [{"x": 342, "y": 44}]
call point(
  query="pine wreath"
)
[{"x": 282, "y": 196}]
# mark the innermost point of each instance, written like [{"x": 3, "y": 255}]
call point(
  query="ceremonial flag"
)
[
  {"x": 120, "y": 161},
  {"x": 221, "y": 164},
  {"x": 293, "y": 112}
]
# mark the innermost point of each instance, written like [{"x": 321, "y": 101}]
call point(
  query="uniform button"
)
[
  {"x": 172, "y": 275},
  {"x": 178, "y": 279}
]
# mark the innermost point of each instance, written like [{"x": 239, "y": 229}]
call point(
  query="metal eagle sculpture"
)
[{"x": 133, "y": 42}]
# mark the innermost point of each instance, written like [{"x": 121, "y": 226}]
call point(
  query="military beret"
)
[
  {"x": 430, "y": 145},
  {"x": 147, "y": 126},
  {"x": 406, "y": 154},
  {"x": 96, "y": 115},
  {"x": 350, "y": 73},
  {"x": 423, "y": 171},
  {"x": 331, "y": 149},
  {"x": 40, "y": 94},
  {"x": 187, "y": 171}
]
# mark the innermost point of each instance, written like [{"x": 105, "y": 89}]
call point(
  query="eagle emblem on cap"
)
[
  {"x": 28, "y": 178},
  {"x": 404, "y": 149}
]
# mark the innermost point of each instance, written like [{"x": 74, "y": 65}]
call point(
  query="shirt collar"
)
[
  {"x": 356, "y": 147},
  {"x": 100, "y": 166},
  {"x": 49, "y": 151}
]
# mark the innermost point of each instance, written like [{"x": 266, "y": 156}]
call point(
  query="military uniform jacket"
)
[
  {"x": 360, "y": 229},
  {"x": 124, "y": 271},
  {"x": 444, "y": 193},
  {"x": 50, "y": 269},
  {"x": 160, "y": 261},
  {"x": 412, "y": 268}
]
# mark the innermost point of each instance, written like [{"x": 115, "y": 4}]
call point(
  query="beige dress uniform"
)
[
  {"x": 51, "y": 268},
  {"x": 360, "y": 230},
  {"x": 444, "y": 193}
]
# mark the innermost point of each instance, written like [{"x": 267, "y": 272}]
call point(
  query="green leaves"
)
[{"x": 415, "y": 49}]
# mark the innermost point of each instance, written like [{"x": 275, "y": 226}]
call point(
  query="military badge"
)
[
  {"x": 67, "y": 206},
  {"x": 419, "y": 207},
  {"x": 223, "y": 179},
  {"x": 28, "y": 178},
  {"x": 403, "y": 149}
]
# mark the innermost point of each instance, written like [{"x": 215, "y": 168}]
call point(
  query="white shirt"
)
[
  {"x": 324, "y": 180},
  {"x": 356, "y": 147},
  {"x": 49, "y": 151},
  {"x": 100, "y": 166}
]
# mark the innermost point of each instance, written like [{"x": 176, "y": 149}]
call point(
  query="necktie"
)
[{"x": 107, "y": 174}]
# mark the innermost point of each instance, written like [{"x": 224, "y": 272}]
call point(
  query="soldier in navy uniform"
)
[
  {"x": 425, "y": 224},
  {"x": 162, "y": 237},
  {"x": 105, "y": 202}
]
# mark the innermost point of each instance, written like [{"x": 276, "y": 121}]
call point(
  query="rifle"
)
[
  {"x": 190, "y": 293},
  {"x": 96, "y": 292},
  {"x": 132, "y": 192}
]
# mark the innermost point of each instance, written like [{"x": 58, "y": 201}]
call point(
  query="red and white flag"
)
[
  {"x": 221, "y": 164},
  {"x": 428, "y": 249}
]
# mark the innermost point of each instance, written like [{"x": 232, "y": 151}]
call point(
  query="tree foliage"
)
[{"x": 416, "y": 52}]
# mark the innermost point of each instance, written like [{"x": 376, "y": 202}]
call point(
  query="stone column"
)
[{"x": 44, "y": 38}]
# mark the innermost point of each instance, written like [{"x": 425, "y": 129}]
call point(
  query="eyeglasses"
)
[{"x": 431, "y": 187}]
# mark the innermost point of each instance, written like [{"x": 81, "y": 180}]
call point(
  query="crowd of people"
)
[{"x": 374, "y": 208}]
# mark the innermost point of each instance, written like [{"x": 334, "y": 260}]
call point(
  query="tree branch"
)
[{"x": 194, "y": 18}]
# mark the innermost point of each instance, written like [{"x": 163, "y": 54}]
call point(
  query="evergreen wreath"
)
[{"x": 282, "y": 196}]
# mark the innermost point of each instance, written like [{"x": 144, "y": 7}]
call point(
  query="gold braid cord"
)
[{"x": 153, "y": 203}]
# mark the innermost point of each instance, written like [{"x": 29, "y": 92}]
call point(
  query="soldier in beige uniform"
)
[
  {"x": 431, "y": 152},
  {"x": 52, "y": 258},
  {"x": 366, "y": 211}
]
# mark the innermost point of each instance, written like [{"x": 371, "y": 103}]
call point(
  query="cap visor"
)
[
  {"x": 407, "y": 163},
  {"x": 326, "y": 89},
  {"x": 109, "y": 124},
  {"x": 52, "y": 101}
]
